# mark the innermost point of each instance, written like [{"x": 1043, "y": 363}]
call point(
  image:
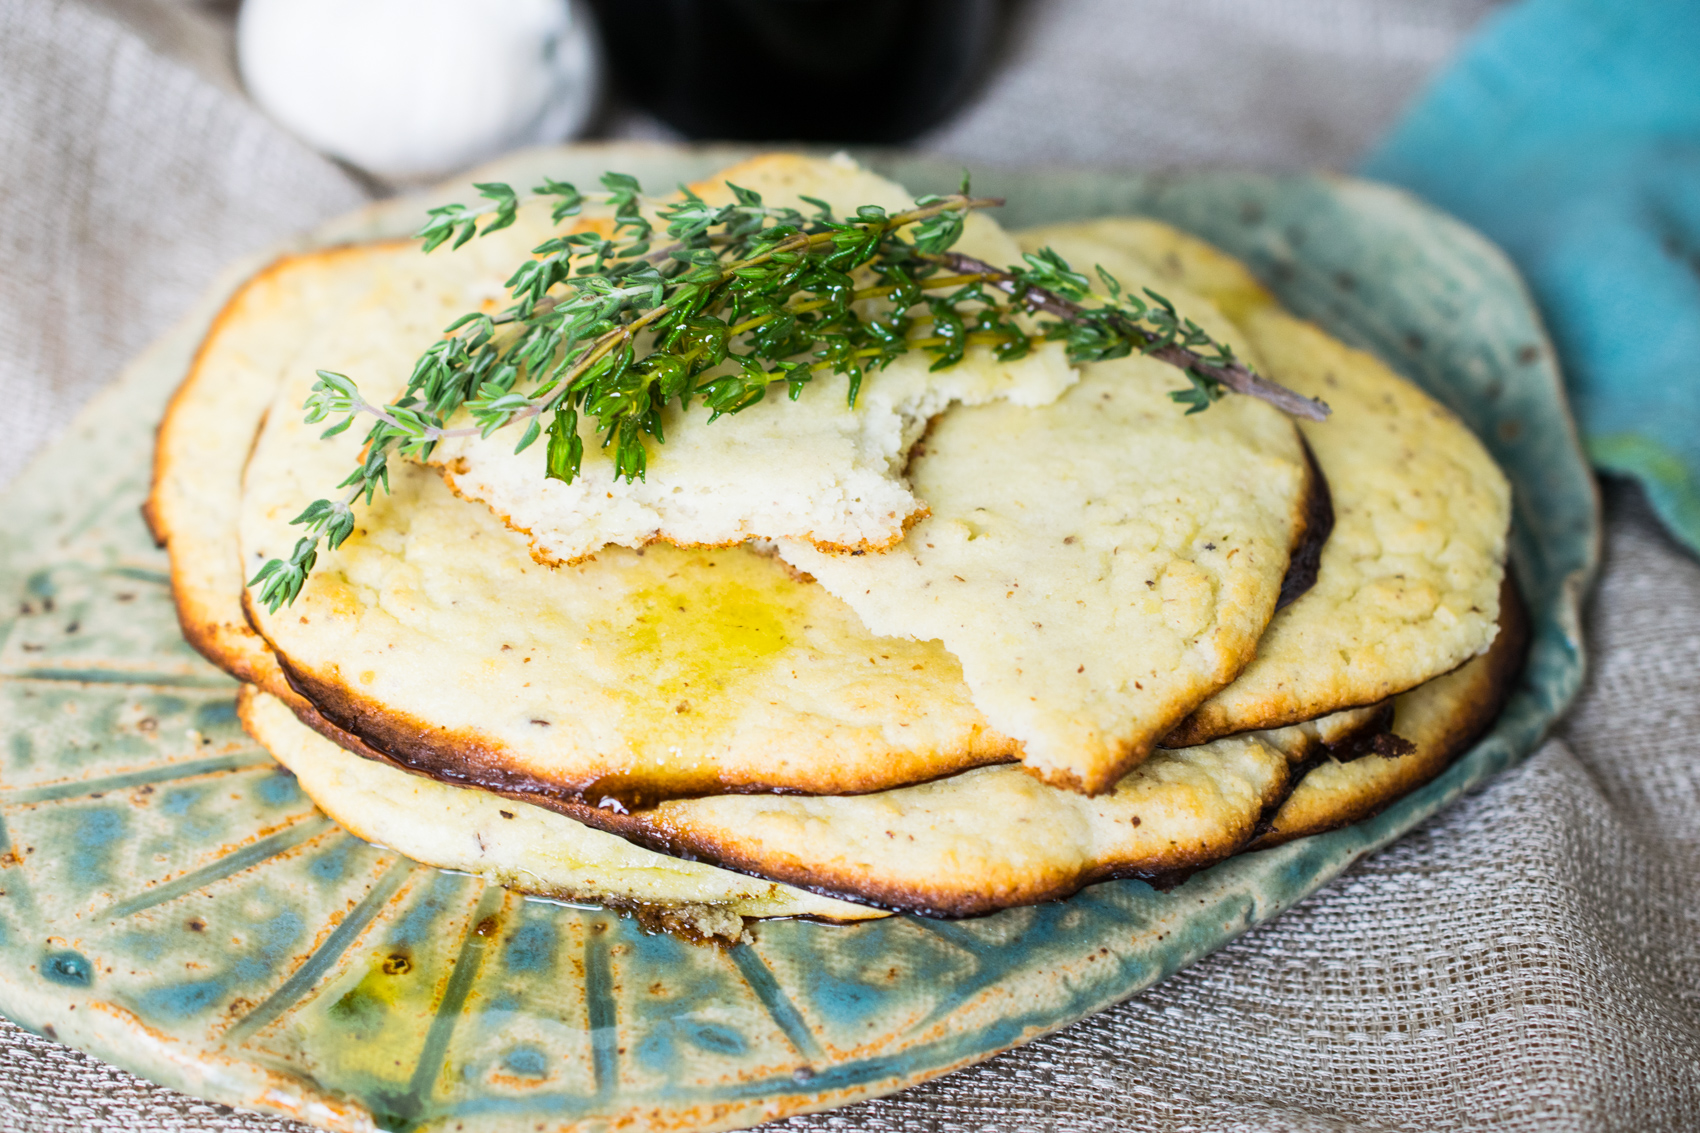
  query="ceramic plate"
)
[{"x": 169, "y": 901}]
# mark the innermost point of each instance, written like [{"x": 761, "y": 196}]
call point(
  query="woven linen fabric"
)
[
  {"x": 1530, "y": 959},
  {"x": 127, "y": 183}
]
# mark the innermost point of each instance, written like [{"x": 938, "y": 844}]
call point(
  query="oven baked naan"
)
[{"x": 652, "y": 700}]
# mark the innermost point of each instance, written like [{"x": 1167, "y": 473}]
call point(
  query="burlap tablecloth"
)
[{"x": 1528, "y": 960}]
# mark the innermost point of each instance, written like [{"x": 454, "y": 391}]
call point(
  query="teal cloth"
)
[{"x": 1568, "y": 131}]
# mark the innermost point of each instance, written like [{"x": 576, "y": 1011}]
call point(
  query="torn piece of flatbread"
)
[
  {"x": 1099, "y": 565},
  {"x": 1408, "y": 583},
  {"x": 811, "y": 468},
  {"x": 512, "y": 843}
]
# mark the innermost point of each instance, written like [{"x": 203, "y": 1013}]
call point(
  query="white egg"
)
[{"x": 414, "y": 89}]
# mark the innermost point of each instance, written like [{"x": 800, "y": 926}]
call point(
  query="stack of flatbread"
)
[{"x": 993, "y": 634}]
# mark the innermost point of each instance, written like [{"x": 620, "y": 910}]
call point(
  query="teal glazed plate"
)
[{"x": 170, "y": 902}]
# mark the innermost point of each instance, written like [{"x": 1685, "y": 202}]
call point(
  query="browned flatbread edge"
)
[
  {"x": 1131, "y": 752},
  {"x": 1480, "y": 688},
  {"x": 228, "y": 642},
  {"x": 1198, "y": 729},
  {"x": 677, "y": 840},
  {"x": 469, "y": 758},
  {"x": 1305, "y": 557}
]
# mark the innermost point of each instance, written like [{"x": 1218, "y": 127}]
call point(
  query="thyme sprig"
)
[
  {"x": 617, "y": 325},
  {"x": 1112, "y": 330}
]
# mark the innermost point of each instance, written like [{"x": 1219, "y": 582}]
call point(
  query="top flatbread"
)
[
  {"x": 417, "y": 632},
  {"x": 1408, "y": 583},
  {"x": 809, "y": 468}
]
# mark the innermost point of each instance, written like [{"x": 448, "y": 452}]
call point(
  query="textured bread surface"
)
[
  {"x": 637, "y": 675},
  {"x": 962, "y": 846},
  {"x": 877, "y": 711},
  {"x": 1408, "y": 583},
  {"x": 723, "y": 670},
  {"x": 993, "y": 837},
  {"x": 1099, "y": 565},
  {"x": 275, "y": 325}
]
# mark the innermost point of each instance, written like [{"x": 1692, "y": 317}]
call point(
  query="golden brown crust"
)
[
  {"x": 186, "y": 446},
  {"x": 1085, "y": 737},
  {"x": 304, "y": 711},
  {"x": 1162, "y": 869},
  {"x": 1203, "y": 726},
  {"x": 1299, "y": 355},
  {"x": 1440, "y": 720},
  {"x": 607, "y": 819}
]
